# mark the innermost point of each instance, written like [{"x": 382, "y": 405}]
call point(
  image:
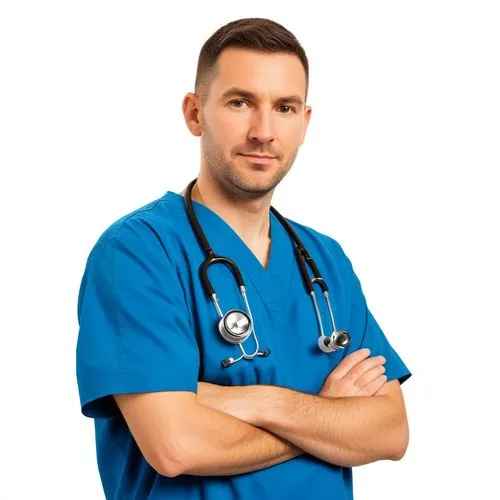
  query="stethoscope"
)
[{"x": 236, "y": 325}]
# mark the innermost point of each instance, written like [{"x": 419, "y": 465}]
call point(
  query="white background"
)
[{"x": 400, "y": 165}]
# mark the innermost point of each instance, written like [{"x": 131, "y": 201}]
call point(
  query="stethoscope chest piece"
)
[
  {"x": 338, "y": 340},
  {"x": 235, "y": 326}
]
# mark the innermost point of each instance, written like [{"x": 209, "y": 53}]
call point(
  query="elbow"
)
[
  {"x": 170, "y": 460},
  {"x": 163, "y": 464},
  {"x": 167, "y": 465},
  {"x": 401, "y": 441},
  {"x": 400, "y": 453},
  {"x": 183, "y": 447},
  {"x": 170, "y": 469}
]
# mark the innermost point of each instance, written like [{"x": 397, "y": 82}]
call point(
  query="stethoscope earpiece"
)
[
  {"x": 343, "y": 339},
  {"x": 338, "y": 340},
  {"x": 229, "y": 361},
  {"x": 325, "y": 343}
]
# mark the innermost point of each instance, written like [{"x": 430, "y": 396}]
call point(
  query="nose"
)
[{"x": 262, "y": 127}]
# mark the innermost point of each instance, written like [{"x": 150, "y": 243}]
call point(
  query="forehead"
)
[{"x": 259, "y": 72}]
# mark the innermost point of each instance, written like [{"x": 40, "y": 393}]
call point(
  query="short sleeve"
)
[
  {"x": 134, "y": 327},
  {"x": 371, "y": 335}
]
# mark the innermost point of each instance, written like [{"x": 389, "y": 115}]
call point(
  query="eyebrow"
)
[{"x": 236, "y": 91}]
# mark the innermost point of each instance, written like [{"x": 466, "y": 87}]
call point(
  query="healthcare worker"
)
[{"x": 224, "y": 350}]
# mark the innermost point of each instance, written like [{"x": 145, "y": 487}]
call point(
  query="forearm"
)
[
  {"x": 215, "y": 443},
  {"x": 346, "y": 431}
]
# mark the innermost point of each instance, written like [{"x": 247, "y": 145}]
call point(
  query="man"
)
[{"x": 170, "y": 421}]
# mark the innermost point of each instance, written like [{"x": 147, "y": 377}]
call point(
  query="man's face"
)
[{"x": 266, "y": 123}]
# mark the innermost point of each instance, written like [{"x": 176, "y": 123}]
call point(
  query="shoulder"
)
[
  {"x": 140, "y": 227},
  {"x": 330, "y": 257},
  {"x": 312, "y": 238},
  {"x": 137, "y": 249}
]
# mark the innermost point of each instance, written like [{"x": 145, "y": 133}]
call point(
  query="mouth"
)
[{"x": 258, "y": 159}]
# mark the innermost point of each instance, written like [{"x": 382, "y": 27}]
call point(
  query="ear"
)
[
  {"x": 192, "y": 113},
  {"x": 307, "y": 118}
]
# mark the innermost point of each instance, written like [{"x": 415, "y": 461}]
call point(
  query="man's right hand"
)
[{"x": 355, "y": 375}]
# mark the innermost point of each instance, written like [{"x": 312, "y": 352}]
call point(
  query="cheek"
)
[
  {"x": 295, "y": 131},
  {"x": 231, "y": 135},
  {"x": 230, "y": 132},
  {"x": 290, "y": 138}
]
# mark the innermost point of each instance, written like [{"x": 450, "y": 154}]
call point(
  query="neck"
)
[{"x": 249, "y": 218}]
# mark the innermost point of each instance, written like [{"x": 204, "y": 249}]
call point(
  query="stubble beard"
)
[{"x": 226, "y": 174}]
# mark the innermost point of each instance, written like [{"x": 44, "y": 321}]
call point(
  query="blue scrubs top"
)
[{"x": 147, "y": 324}]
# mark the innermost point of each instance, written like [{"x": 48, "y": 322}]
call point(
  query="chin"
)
[
  {"x": 251, "y": 184},
  {"x": 254, "y": 177}
]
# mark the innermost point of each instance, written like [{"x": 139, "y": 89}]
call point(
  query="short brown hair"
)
[{"x": 252, "y": 33}]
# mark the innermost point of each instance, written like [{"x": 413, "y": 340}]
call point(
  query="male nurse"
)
[{"x": 170, "y": 421}]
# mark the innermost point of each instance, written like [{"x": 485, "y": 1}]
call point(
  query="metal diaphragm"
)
[{"x": 235, "y": 326}]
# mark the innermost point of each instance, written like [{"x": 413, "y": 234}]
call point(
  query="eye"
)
[
  {"x": 289, "y": 107},
  {"x": 236, "y": 100}
]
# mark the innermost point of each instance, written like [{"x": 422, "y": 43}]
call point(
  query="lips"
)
[
  {"x": 263, "y": 160},
  {"x": 258, "y": 156}
]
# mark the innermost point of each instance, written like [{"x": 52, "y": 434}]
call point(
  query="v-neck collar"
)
[{"x": 272, "y": 282}]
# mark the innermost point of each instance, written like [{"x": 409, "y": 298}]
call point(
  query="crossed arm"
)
[
  {"x": 228, "y": 430},
  {"x": 347, "y": 431}
]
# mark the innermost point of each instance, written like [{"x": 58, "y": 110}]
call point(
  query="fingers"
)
[
  {"x": 362, "y": 367},
  {"x": 350, "y": 361},
  {"x": 370, "y": 375},
  {"x": 374, "y": 386},
  {"x": 356, "y": 375}
]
